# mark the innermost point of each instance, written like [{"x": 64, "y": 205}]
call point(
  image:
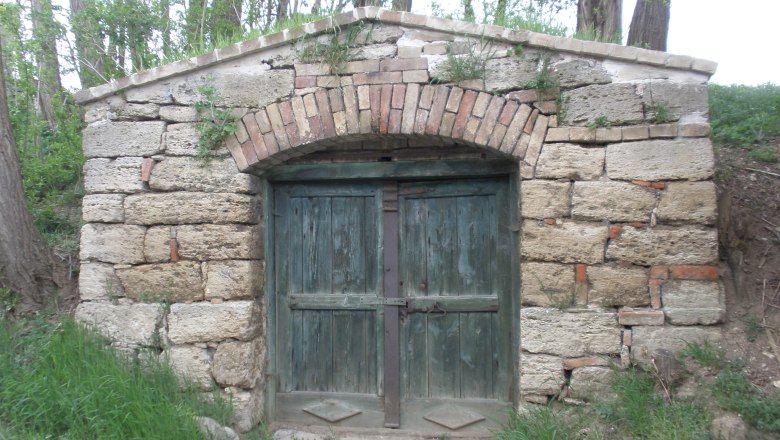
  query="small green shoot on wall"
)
[
  {"x": 546, "y": 81},
  {"x": 216, "y": 123},
  {"x": 336, "y": 48},
  {"x": 465, "y": 66}
]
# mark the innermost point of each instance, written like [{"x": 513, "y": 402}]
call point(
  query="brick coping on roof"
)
[{"x": 371, "y": 13}]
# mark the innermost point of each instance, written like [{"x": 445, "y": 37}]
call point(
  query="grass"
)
[
  {"x": 744, "y": 116},
  {"x": 61, "y": 380},
  {"x": 471, "y": 65},
  {"x": 734, "y": 391}
]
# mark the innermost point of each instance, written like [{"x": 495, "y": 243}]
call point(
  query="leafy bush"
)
[
  {"x": 744, "y": 115},
  {"x": 61, "y": 380}
]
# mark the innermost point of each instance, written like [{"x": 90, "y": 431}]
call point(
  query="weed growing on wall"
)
[
  {"x": 335, "y": 48},
  {"x": 216, "y": 123},
  {"x": 546, "y": 81},
  {"x": 465, "y": 66}
]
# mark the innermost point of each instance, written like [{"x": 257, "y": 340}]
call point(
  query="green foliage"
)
[
  {"x": 216, "y": 123},
  {"x": 546, "y": 81},
  {"x": 591, "y": 34},
  {"x": 704, "y": 353},
  {"x": 60, "y": 380},
  {"x": 660, "y": 112},
  {"x": 600, "y": 122},
  {"x": 470, "y": 65},
  {"x": 335, "y": 48},
  {"x": 542, "y": 423},
  {"x": 641, "y": 412},
  {"x": 764, "y": 154},
  {"x": 734, "y": 391},
  {"x": 752, "y": 328},
  {"x": 744, "y": 116}
]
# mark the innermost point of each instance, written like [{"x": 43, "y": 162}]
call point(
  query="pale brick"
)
[
  {"x": 690, "y": 159},
  {"x": 112, "y": 243},
  {"x": 135, "y": 324},
  {"x": 121, "y": 175},
  {"x": 234, "y": 279},
  {"x": 113, "y": 139},
  {"x": 665, "y": 246},
  {"x": 190, "y": 207},
  {"x": 618, "y": 286},
  {"x": 192, "y": 363},
  {"x": 570, "y": 161},
  {"x": 619, "y": 103},
  {"x": 204, "y": 322},
  {"x": 217, "y": 242},
  {"x": 569, "y": 242},
  {"x": 238, "y": 364},
  {"x": 612, "y": 201},
  {"x": 647, "y": 339},
  {"x": 170, "y": 282},
  {"x": 569, "y": 334},
  {"x": 545, "y": 199},
  {"x": 190, "y": 174},
  {"x": 631, "y": 317},
  {"x": 687, "y": 302},
  {"x": 591, "y": 383},
  {"x": 541, "y": 374},
  {"x": 688, "y": 201},
  {"x": 103, "y": 208},
  {"x": 547, "y": 284},
  {"x": 98, "y": 282}
]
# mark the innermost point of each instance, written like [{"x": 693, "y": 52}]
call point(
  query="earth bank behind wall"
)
[{"x": 618, "y": 249}]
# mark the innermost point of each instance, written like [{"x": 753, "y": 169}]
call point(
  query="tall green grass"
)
[
  {"x": 744, "y": 116},
  {"x": 60, "y": 380}
]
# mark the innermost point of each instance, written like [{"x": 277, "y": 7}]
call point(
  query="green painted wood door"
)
[{"x": 454, "y": 359}]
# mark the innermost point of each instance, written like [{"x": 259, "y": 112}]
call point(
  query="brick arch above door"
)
[{"x": 324, "y": 118}]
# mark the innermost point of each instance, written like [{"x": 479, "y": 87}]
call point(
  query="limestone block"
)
[
  {"x": 134, "y": 324},
  {"x": 688, "y": 302},
  {"x": 546, "y": 284},
  {"x": 510, "y": 73},
  {"x": 178, "y": 113},
  {"x": 665, "y": 245},
  {"x": 157, "y": 243},
  {"x": 591, "y": 383},
  {"x": 193, "y": 364},
  {"x": 681, "y": 99},
  {"x": 98, "y": 282},
  {"x": 569, "y": 242},
  {"x": 172, "y": 282},
  {"x": 619, "y": 103},
  {"x": 626, "y": 71},
  {"x": 234, "y": 279},
  {"x": 189, "y": 174},
  {"x": 238, "y": 364},
  {"x": 541, "y": 374},
  {"x": 103, "y": 208},
  {"x": 112, "y": 243},
  {"x": 645, "y": 340},
  {"x": 156, "y": 92},
  {"x": 243, "y": 86},
  {"x": 219, "y": 242},
  {"x": 181, "y": 140},
  {"x": 570, "y": 161},
  {"x": 688, "y": 201},
  {"x": 662, "y": 159},
  {"x": 569, "y": 334},
  {"x": 121, "y": 175},
  {"x": 114, "y": 139},
  {"x": 205, "y": 322},
  {"x": 612, "y": 201},
  {"x": 380, "y": 33},
  {"x": 578, "y": 72},
  {"x": 544, "y": 199},
  {"x": 618, "y": 286},
  {"x": 134, "y": 112},
  {"x": 375, "y": 52},
  {"x": 247, "y": 406},
  {"x": 190, "y": 207}
]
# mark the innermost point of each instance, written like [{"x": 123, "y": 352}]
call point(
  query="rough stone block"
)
[
  {"x": 647, "y": 339},
  {"x": 134, "y": 112},
  {"x": 234, "y": 279},
  {"x": 618, "y": 286},
  {"x": 612, "y": 201},
  {"x": 665, "y": 245},
  {"x": 135, "y": 324},
  {"x": 245, "y": 86},
  {"x": 688, "y": 201},
  {"x": 541, "y": 374},
  {"x": 568, "y": 334},
  {"x": 631, "y": 317},
  {"x": 103, "y": 208},
  {"x": 578, "y": 72},
  {"x": 690, "y": 159},
  {"x": 190, "y": 207},
  {"x": 179, "y": 113},
  {"x": 204, "y": 322},
  {"x": 570, "y": 161},
  {"x": 618, "y": 103},
  {"x": 591, "y": 383},
  {"x": 545, "y": 199},
  {"x": 98, "y": 282},
  {"x": 114, "y": 139},
  {"x": 173, "y": 282},
  {"x": 182, "y": 140},
  {"x": 681, "y": 99},
  {"x": 510, "y": 73},
  {"x": 238, "y": 364},
  {"x": 247, "y": 406},
  {"x": 569, "y": 242},
  {"x": 121, "y": 175},
  {"x": 112, "y": 243},
  {"x": 214, "y": 242},
  {"x": 189, "y": 174},
  {"x": 192, "y": 363},
  {"x": 547, "y": 284},
  {"x": 693, "y": 302}
]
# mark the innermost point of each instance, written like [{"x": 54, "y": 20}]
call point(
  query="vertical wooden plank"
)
[
  {"x": 414, "y": 355},
  {"x": 291, "y": 321},
  {"x": 476, "y": 252},
  {"x": 413, "y": 262},
  {"x": 349, "y": 242},
  {"x": 440, "y": 242},
  {"x": 317, "y": 243},
  {"x": 318, "y": 350},
  {"x": 476, "y": 355},
  {"x": 444, "y": 355},
  {"x": 349, "y": 351}
]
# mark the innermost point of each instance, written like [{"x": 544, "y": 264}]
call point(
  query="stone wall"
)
[{"x": 618, "y": 246}]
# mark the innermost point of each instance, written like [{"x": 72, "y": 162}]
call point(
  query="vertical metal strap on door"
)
[{"x": 391, "y": 290}]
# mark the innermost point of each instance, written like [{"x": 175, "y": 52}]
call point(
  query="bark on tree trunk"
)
[
  {"x": 650, "y": 24},
  {"x": 602, "y": 17},
  {"x": 500, "y": 13},
  {"x": 468, "y": 10},
  {"x": 27, "y": 264},
  {"x": 402, "y": 5},
  {"x": 49, "y": 82}
]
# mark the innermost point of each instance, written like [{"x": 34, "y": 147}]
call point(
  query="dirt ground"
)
[{"x": 749, "y": 224}]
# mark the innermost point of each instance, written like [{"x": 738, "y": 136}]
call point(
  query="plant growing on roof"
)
[
  {"x": 216, "y": 123},
  {"x": 472, "y": 64},
  {"x": 335, "y": 48}
]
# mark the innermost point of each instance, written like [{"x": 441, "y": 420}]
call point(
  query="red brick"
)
[
  {"x": 570, "y": 364},
  {"x": 146, "y": 169},
  {"x": 706, "y": 273},
  {"x": 316, "y": 127},
  {"x": 499, "y": 131},
  {"x": 481, "y": 104},
  {"x": 394, "y": 122},
  {"x": 546, "y": 107},
  {"x": 302, "y": 82},
  {"x": 248, "y": 148},
  {"x": 614, "y": 231},
  {"x": 456, "y": 94},
  {"x": 629, "y": 316},
  {"x": 360, "y": 79},
  {"x": 627, "y": 338},
  {"x": 523, "y": 96},
  {"x": 336, "y": 100},
  {"x": 410, "y": 108},
  {"x": 174, "y": 250},
  {"x": 529, "y": 124},
  {"x": 638, "y": 225},
  {"x": 270, "y": 143},
  {"x": 658, "y": 185},
  {"x": 419, "y": 121},
  {"x": 462, "y": 117},
  {"x": 254, "y": 134},
  {"x": 391, "y": 65},
  {"x": 399, "y": 92},
  {"x": 489, "y": 121},
  {"x": 437, "y": 110},
  {"x": 285, "y": 108},
  {"x": 647, "y": 184},
  {"x": 292, "y": 134},
  {"x": 655, "y": 293},
  {"x": 328, "y": 126},
  {"x": 508, "y": 113},
  {"x": 549, "y": 221},
  {"x": 659, "y": 272},
  {"x": 426, "y": 97},
  {"x": 384, "y": 110},
  {"x": 580, "y": 273},
  {"x": 375, "y": 98}
]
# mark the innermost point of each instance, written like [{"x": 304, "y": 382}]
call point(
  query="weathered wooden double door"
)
[{"x": 392, "y": 303}]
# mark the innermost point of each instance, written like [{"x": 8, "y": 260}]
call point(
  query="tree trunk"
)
[
  {"x": 49, "y": 82},
  {"x": 602, "y": 18},
  {"x": 193, "y": 20},
  {"x": 402, "y": 5},
  {"x": 224, "y": 20},
  {"x": 27, "y": 265},
  {"x": 500, "y": 19},
  {"x": 468, "y": 10},
  {"x": 90, "y": 48},
  {"x": 650, "y": 24}
]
